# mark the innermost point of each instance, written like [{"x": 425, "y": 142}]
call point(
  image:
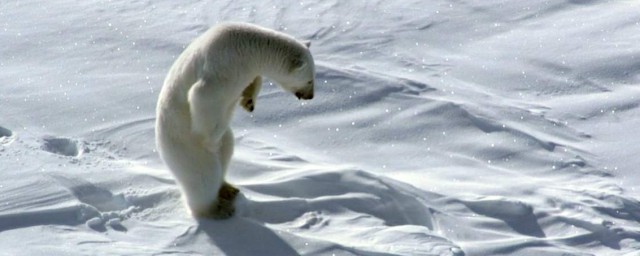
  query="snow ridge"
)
[{"x": 440, "y": 128}]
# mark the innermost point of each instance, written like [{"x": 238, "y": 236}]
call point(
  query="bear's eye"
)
[{"x": 310, "y": 82}]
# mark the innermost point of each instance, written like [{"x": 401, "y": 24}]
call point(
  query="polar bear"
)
[{"x": 217, "y": 71}]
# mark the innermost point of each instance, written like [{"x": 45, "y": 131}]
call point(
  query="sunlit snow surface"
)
[{"x": 438, "y": 128}]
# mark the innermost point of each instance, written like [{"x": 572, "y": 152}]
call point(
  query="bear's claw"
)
[
  {"x": 227, "y": 192},
  {"x": 223, "y": 210}
]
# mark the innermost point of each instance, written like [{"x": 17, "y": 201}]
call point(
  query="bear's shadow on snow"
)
[{"x": 228, "y": 235}]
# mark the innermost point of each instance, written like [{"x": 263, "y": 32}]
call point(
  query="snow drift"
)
[{"x": 438, "y": 128}]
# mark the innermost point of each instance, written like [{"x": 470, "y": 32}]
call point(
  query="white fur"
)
[{"x": 199, "y": 96}]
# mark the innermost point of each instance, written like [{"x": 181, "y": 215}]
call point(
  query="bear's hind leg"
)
[
  {"x": 199, "y": 174},
  {"x": 224, "y": 207},
  {"x": 249, "y": 95},
  {"x": 227, "y": 191}
]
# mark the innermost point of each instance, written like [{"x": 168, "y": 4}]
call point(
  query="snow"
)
[{"x": 437, "y": 128}]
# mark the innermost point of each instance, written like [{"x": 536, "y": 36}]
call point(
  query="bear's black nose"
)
[
  {"x": 308, "y": 97},
  {"x": 304, "y": 96}
]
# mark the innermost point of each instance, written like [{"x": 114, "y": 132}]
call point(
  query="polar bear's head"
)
[{"x": 300, "y": 72}]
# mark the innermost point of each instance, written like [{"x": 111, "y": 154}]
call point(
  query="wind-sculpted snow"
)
[{"x": 437, "y": 128}]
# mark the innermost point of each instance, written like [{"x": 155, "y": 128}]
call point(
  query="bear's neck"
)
[{"x": 270, "y": 53}]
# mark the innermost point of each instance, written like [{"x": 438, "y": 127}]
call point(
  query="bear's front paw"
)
[{"x": 248, "y": 104}]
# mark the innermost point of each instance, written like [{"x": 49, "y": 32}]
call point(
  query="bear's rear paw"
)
[
  {"x": 228, "y": 192},
  {"x": 222, "y": 209},
  {"x": 248, "y": 104}
]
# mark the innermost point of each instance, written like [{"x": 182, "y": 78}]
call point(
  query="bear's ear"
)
[
  {"x": 307, "y": 43},
  {"x": 297, "y": 63}
]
